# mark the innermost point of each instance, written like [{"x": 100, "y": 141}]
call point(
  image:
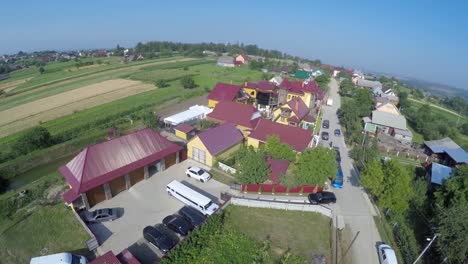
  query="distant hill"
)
[{"x": 435, "y": 88}]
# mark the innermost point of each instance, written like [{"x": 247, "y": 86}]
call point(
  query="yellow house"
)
[
  {"x": 292, "y": 113},
  {"x": 223, "y": 92},
  {"x": 184, "y": 131},
  {"x": 215, "y": 143}
]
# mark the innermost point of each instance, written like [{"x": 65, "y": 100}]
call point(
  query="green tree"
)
[
  {"x": 453, "y": 233},
  {"x": 403, "y": 100},
  {"x": 323, "y": 81},
  {"x": 205, "y": 124},
  {"x": 150, "y": 120},
  {"x": 41, "y": 70},
  {"x": 161, "y": 83},
  {"x": 187, "y": 82},
  {"x": 398, "y": 187},
  {"x": 277, "y": 150},
  {"x": 251, "y": 166},
  {"x": 455, "y": 189},
  {"x": 267, "y": 76},
  {"x": 372, "y": 178},
  {"x": 34, "y": 138},
  {"x": 314, "y": 167}
]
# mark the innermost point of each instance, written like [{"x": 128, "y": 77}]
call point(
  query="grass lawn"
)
[
  {"x": 52, "y": 229},
  {"x": 303, "y": 233}
]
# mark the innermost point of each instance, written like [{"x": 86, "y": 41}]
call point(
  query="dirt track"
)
[{"x": 30, "y": 114}]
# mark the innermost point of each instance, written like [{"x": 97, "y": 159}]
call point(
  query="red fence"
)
[{"x": 277, "y": 188}]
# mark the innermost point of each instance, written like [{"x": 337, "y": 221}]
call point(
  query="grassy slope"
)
[
  {"x": 305, "y": 233},
  {"x": 50, "y": 227}
]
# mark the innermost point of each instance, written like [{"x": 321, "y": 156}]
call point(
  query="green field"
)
[
  {"x": 49, "y": 229},
  {"x": 303, "y": 233}
]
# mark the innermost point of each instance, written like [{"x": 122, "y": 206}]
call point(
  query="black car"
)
[
  {"x": 338, "y": 154},
  {"x": 326, "y": 124},
  {"x": 337, "y": 132},
  {"x": 100, "y": 215},
  {"x": 325, "y": 135},
  {"x": 192, "y": 216},
  {"x": 322, "y": 198},
  {"x": 160, "y": 238},
  {"x": 178, "y": 224}
]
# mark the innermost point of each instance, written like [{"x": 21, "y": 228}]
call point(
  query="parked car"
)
[
  {"x": 100, "y": 215},
  {"x": 386, "y": 254},
  {"x": 338, "y": 181},
  {"x": 322, "y": 198},
  {"x": 197, "y": 173},
  {"x": 178, "y": 224},
  {"x": 325, "y": 135},
  {"x": 338, "y": 154},
  {"x": 337, "y": 132},
  {"x": 326, "y": 124},
  {"x": 160, "y": 238},
  {"x": 60, "y": 258},
  {"x": 193, "y": 216}
]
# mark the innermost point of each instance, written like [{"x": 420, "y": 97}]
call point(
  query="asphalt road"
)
[{"x": 353, "y": 203}]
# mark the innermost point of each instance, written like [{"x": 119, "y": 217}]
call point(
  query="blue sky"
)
[{"x": 411, "y": 38}]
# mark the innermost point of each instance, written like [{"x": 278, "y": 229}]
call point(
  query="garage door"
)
[
  {"x": 198, "y": 155},
  {"x": 95, "y": 195},
  {"x": 136, "y": 176},
  {"x": 117, "y": 185},
  {"x": 170, "y": 160},
  {"x": 153, "y": 169}
]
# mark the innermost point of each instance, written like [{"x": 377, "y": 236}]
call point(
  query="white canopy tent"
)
[{"x": 193, "y": 113}]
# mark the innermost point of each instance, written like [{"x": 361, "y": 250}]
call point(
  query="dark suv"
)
[
  {"x": 326, "y": 124},
  {"x": 322, "y": 198},
  {"x": 178, "y": 224},
  {"x": 192, "y": 215},
  {"x": 160, "y": 238}
]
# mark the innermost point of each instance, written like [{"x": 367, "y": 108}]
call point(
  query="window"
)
[{"x": 252, "y": 93}]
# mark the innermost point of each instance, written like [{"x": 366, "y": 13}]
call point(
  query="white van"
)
[
  {"x": 387, "y": 255},
  {"x": 60, "y": 258},
  {"x": 192, "y": 198},
  {"x": 330, "y": 102}
]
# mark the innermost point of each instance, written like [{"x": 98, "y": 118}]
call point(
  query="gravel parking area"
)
[{"x": 147, "y": 203}]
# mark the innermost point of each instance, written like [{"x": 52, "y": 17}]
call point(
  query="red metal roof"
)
[
  {"x": 220, "y": 138},
  {"x": 300, "y": 87},
  {"x": 297, "y": 138},
  {"x": 108, "y": 258},
  {"x": 224, "y": 92},
  {"x": 184, "y": 128},
  {"x": 103, "y": 162},
  {"x": 70, "y": 196},
  {"x": 277, "y": 167},
  {"x": 299, "y": 108},
  {"x": 261, "y": 85},
  {"x": 236, "y": 113}
]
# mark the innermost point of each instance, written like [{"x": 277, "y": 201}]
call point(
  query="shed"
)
[
  {"x": 184, "y": 131},
  {"x": 439, "y": 173},
  {"x": 448, "y": 149}
]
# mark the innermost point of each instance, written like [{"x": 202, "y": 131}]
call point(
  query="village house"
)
[
  {"x": 241, "y": 59},
  {"x": 215, "y": 144},
  {"x": 244, "y": 116},
  {"x": 367, "y": 83},
  {"x": 299, "y": 139},
  {"x": 293, "y": 113},
  {"x": 446, "y": 151},
  {"x": 389, "y": 124},
  {"x": 223, "y": 92},
  {"x": 101, "y": 171},
  {"x": 226, "y": 61}
]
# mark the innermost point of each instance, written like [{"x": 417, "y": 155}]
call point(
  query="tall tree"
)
[
  {"x": 372, "y": 178},
  {"x": 251, "y": 166},
  {"x": 398, "y": 187},
  {"x": 277, "y": 150},
  {"x": 314, "y": 167},
  {"x": 453, "y": 233},
  {"x": 41, "y": 70}
]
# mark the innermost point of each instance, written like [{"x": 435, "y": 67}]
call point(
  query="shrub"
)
[
  {"x": 161, "y": 83},
  {"x": 187, "y": 82},
  {"x": 32, "y": 139}
]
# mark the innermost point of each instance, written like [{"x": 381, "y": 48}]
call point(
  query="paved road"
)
[{"x": 353, "y": 204}]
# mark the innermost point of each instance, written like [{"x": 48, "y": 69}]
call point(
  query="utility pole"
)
[
  {"x": 352, "y": 242},
  {"x": 427, "y": 247}
]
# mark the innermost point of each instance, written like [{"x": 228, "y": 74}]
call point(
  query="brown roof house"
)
[{"x": 103, "y": 170}]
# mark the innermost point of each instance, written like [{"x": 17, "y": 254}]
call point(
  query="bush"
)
[
  {"x": 32, "y": 139},
  {"x": 161, "y": 83},
  {"x": 187, "y": 82}
]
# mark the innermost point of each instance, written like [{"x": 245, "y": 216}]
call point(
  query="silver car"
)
[{"x": 100, "y": 215}]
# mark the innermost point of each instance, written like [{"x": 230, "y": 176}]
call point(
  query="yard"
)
[{"x": 303, "y": 233}]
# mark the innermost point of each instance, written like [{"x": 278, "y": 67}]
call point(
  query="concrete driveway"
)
[
  {"x": 147, "y": 203},
  {"x": 352, "y": 202}
]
